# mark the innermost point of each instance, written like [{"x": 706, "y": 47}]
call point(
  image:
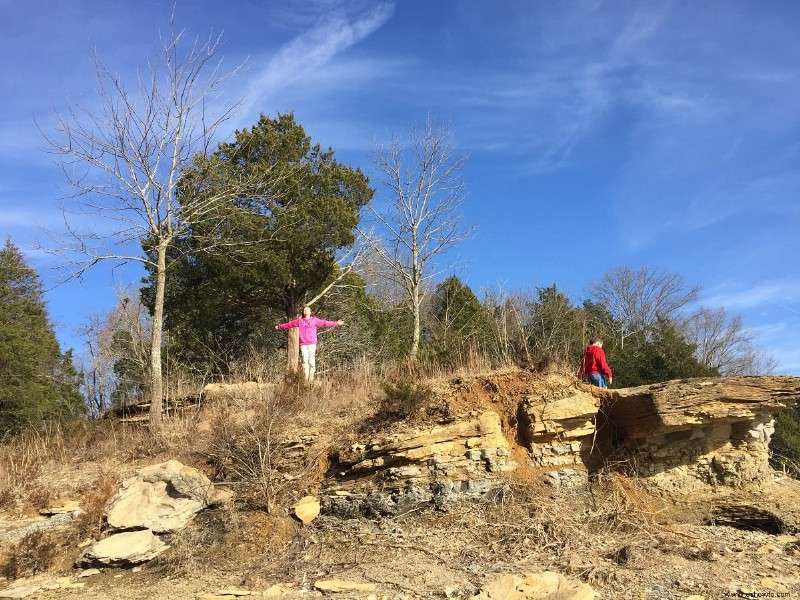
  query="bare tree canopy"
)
[
  {"x": 124, "y": 156},
  {"x": 637, "y": 299},
  {"x": 423, "y": 191},
  {"x": 723, "y": 343}
]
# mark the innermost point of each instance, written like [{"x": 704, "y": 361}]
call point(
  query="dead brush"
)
[
  {"x": 94, "y": 503},
  {"x": 620, "y": 504},
  {"x": 22, "y": 462},
  {"x": 33, "y": 554},
  {"x": 529, "y": 519},
  {"x": 244, "y": 441}
]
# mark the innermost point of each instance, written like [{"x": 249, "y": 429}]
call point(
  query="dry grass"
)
[
  {"x": 94, "y": 503},
  {"x": 272, "y": 447},
  {"x": 526, "y": 528}
]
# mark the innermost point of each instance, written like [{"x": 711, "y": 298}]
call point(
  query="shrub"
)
[
  {"x": 405, "y": 397},
  {"x": 785, "y": 443}
]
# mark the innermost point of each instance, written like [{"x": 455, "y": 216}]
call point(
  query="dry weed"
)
[
  {"x": 22, "y": 464},
  {"x": 32, "y": 554},
  {"x": 244, "y": 441},
  {"x": 94, "y": 502},
  {"x": 623, "y": 504}
]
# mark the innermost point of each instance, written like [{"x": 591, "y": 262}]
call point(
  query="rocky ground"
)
[{"x": 618, "y": 535}]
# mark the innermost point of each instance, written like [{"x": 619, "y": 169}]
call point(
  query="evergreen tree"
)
[
  {"x": 459, "y": 322},
  {"x": 276, "y": 247},
  {"x": 662, "y": 356},
  {"x": 555, "y": 326},
  {"x": 37, "y": 381},
  {"x": 785, "y": 442}
]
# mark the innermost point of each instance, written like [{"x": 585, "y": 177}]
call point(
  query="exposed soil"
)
[{"x": 624, "y": 539}]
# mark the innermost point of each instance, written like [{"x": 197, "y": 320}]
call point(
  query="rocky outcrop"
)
[
  {"x": 162, "y": 498},
  {"x": 215, "y": 392},
  {"x": 392, "y": 474},
  {"x": 557, "y": 427},
  {"x": 678, "y": 434},
  {"x": 693, "y": 433}
]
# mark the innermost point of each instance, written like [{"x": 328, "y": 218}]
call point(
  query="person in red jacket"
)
[{"x": 593, "y": 364}]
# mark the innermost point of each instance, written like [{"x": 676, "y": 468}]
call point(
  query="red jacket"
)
[{"x": 594, "y": 361}]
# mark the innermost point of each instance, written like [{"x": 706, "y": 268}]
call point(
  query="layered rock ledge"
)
[
  {"x": 678, "y": 435},
  {"x": 691, "y": 433}
]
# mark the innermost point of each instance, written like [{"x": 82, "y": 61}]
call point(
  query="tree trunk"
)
[
  {"x": 415, "y": 336},
  {"x": 292, "y": 349},
  {"x": 415, "y": 285},
  {"x": 156, "y": 379}
]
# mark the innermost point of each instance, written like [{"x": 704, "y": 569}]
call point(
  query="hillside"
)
[{"x": 426, "y": 490}]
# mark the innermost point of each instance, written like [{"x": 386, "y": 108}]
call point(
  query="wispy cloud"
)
[
  {"x": 313, "y": 49},
  {"x": 782, "y": 293}
]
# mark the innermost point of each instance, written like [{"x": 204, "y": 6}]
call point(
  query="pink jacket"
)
[{"x": 308, "y": 328}]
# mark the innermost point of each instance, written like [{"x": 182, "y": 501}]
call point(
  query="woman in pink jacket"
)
[{"x": 308, "y": 338}]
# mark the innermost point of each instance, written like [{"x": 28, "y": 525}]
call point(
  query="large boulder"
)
[{"x": 163, "y": 498}]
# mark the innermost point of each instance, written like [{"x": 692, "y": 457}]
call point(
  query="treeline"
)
[
  {"x": 296, "y": 231},
  {"x": 237, "y": 236}
]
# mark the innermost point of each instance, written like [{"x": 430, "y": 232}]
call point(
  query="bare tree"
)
[
  {"x": 124, "y": 157},
  {"x": 636, "y": 299},
  {"x": 723, "y": 343},
  {"x": 424, "y": 191},
  {"x": 120, "y": 338},
  {"x": 509, "y": 313}
]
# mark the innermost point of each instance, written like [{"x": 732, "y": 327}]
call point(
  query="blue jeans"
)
[{"x": 597, "y": 379}]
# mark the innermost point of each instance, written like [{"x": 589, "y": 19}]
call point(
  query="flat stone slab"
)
[{"x": 125, "y": 549}]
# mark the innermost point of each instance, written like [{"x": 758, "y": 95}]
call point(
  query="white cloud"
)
[
  {"x": 313, "y": 49},
  {"x": 777, "y": 293}
]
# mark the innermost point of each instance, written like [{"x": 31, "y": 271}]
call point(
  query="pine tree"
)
[
  {"x": 460, "y": 323},
  {"x": 663, "y": 356},
  {"x": 276, "y": 246},
  {"x": 37, "y": 381}
]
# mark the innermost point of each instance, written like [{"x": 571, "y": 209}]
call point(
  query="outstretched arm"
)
[
  {"x": 288, "y": 325},
  {"x": 324, "y": 323}
]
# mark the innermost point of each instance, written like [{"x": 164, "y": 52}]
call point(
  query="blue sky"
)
[{"x": 600, "y": 134}]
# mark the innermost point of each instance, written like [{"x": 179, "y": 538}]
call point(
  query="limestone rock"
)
[
  {"x": 536, "y": 586},
  {"x": 89, "y": 572},
  {"x": 337, "y": 585},
  {"x": 307, "y": 509},
  {"x": 681, "y": 404},
  {"x": 163, "y": 498},
  {"x": 186, "y": 481},
  {"x": 150, "y": 505},
  {"x": 236, "y": 391},
  {"x": 482, "y": 432},
  {"x": 557, "y": 426},
  {"x": 124, "y": 549},
  {"x": 396, "y": 473},
  {"x": 568, "y": 416},
  {"x": 20, "y": 590},
  {"x": 60, "y": 508},
  {"x": 688, "y": 434}
]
